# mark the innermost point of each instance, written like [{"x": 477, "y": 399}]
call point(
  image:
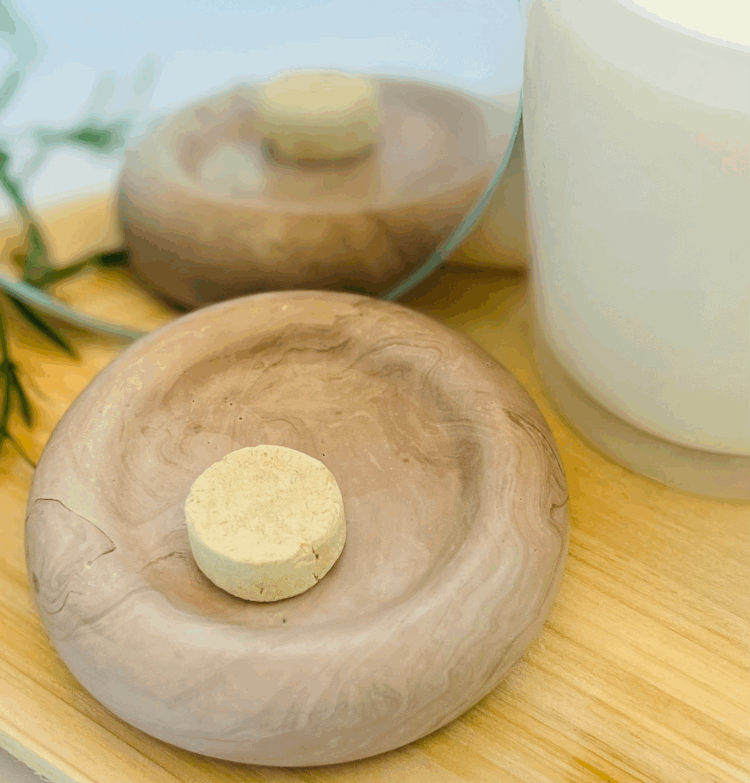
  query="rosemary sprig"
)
[
  {"x": 43, "y": 326},
  {"x": 54, "y": 307},
  {"x": 12, "y": 387},
  {"x": 19, "y": 294},
  {"x": 28, "y": 296}
]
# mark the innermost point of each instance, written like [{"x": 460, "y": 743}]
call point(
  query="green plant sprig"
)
[
  {"x": 39, "y": 275},
  {"x": 29, "y": 296},
  {"x": 12, "y": 386},
  {"x": 12, "y": 391}
]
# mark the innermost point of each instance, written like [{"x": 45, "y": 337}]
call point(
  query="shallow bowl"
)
[{"x": 456, "y": 509}]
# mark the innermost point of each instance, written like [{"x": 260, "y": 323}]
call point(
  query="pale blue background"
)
[{"x": 202, "y": 45}]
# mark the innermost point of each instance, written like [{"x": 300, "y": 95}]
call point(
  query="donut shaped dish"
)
[
  {"x": 208, "y": 215},
  {"x": 455, "y": 502}
]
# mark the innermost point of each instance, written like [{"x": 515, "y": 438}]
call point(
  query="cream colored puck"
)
[
  {"x": 265, "y": 522},
  {"x": 319, "y": 115}
]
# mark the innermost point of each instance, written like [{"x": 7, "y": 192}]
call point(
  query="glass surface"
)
[{"x": 138, "y": 62}]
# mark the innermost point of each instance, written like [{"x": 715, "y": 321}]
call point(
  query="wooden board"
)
[{"x": 641, "y": 673}]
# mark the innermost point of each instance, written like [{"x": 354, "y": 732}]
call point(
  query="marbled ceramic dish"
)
[
  {"x": 455, "y": 502},
  {"x": 207, "y": 215}
]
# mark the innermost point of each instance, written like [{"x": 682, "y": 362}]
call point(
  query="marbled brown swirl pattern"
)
[{"x": 456, "y": 508}]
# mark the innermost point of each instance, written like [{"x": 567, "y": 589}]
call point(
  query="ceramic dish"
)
[
  {"x": 456, "y": 510},
  {"x": 207, "y": 215}
]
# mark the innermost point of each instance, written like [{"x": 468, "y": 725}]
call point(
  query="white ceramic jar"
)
[{"x": 637, "y": 131}]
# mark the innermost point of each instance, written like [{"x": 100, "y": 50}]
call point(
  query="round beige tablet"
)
[
  {"x": 319, "y": 115},
  {"x": 265, "y": 522}
]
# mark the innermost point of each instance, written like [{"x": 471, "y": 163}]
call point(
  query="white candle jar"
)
[{"x": 636, "y": 135}]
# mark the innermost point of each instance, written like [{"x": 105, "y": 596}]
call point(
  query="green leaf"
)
[
  {"x": 9, "y": 87},
  {"x": 93, "y": 135},
  {"x": 23, "y": 401},
  {"x": 119, "y": 258},
  {"x": 19, "y": 38},
  {"x": 7, "y": 23},
  {"x": 42, "y": 325},
  {"x": 35, "y": 265},
  {"x": 96, "y": 137},
  {"x": 9, "y": 370},
  {"x": 8, "y": 184},
  {"x": 104, "y": 138},
  {"x": 53, "y": 275},
  {"x": 47, "y": 276},
  {"x": 34, "y": 238},
  {"x": 4, "y": 434},
  {"x": 3, "y": 340},
  {"x": 26, "y": 410}
]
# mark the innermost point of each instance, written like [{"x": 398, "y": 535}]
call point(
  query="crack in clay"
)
[
  {"x": 181, "y": 555},
  {"x": 85, "y": 519},
  {"x": 107, "y": 552},
  {"x": 87, "y": 563},
  {"x": 64, "y": 601},
  {"x": 91, "y": 620}
]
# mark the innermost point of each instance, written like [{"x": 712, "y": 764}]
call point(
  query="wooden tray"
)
[{"x": 641, "y": 674}]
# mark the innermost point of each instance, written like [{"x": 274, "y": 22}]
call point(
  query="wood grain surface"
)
[{"x": 641, "y": 673}]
